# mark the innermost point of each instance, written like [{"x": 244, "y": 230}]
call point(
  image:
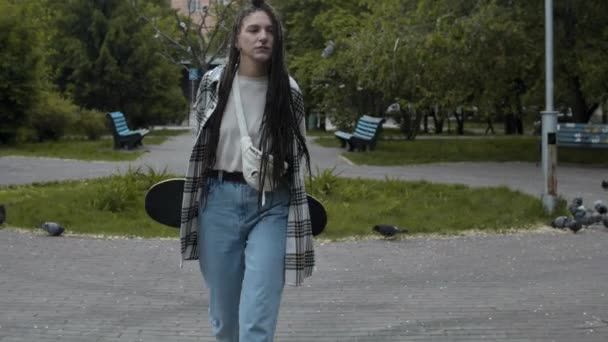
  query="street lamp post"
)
[{"x": 549, "y": 118}]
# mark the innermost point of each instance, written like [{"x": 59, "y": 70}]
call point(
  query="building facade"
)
[{"x": 193, "y": 8}]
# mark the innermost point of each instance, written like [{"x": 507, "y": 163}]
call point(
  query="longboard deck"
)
[{"x": 163, "y": 203}]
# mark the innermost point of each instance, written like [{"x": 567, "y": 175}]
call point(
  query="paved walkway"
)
[{"x": 547, "y": 286}]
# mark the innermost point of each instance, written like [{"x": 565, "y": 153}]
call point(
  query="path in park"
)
[
  {"x": 541, "y": 286},
  {"x": 573, "y": 181}
]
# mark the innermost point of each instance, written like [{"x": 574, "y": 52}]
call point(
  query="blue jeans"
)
[{"x": 242, "y": 259}]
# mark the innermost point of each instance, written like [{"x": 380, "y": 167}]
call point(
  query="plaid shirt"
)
[{"x": 299, "y": 252}]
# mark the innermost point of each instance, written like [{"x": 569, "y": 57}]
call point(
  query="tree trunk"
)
[
  {"x": 438, "y": 123},
  {"x": 580, "y": 103},
  {"x": 426, "y": 123},
  {"x": 459, "y": 122}
]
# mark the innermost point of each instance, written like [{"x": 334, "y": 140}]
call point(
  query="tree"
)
[
  {"x": 580, "y": 55},
  {"x": 106, "y": 60},
  {"x": 21, "y": 68},
  {"x": 193, "y": 40}
]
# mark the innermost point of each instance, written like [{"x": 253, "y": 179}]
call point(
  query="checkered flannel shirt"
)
[{"x": 299, "y": 252}]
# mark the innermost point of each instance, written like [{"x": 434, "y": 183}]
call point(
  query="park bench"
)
[
  {"x": 582, "y": 135},
  {"x": 366, "y": 134},
  {"x": 123, "y": 136}
]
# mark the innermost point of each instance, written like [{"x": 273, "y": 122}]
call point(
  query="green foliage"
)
[
  {"x": 25, "y": 134},
  {"x": 323, "y": 183},
  {"x": 92, "y": 123},
  {"x": 21, "y": 66},
  {"x": 354, "y": 206},
  {"x": 499, "y": 149},
  {"x": 122, "y": 192},
  {"x": 107, "y": 60},
  {"x": 52, "y": 116},
  {"x": 439, "y": 55}
]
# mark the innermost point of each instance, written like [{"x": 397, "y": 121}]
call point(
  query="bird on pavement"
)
[
  {"x": 2, "y": 214},
  {"x": 605, "y": 185},
  {"x": 600, "y": 207},
  {"x": 389, "y": 230},
  {"x": 564, "y": 222},
  {"x": 574, "y": 226},
  {"x": 54, "y": 229},
  {"x": 575, "y": 205},
  {"x": 560, "y": 222}
]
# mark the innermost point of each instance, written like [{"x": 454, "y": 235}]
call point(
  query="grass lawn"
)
[
  {"x": 497, "y": 149},
  {"x": 113, "y": 206},
  {"x": 83, "y": 149}
]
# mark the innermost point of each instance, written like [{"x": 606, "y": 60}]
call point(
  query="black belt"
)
[{"x": 235, "y": 177}]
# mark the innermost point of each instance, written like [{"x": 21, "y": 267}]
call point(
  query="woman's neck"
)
[{"x": 252, "y": 69}]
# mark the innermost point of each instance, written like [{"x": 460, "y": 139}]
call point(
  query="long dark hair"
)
[{"x": 280, "y": 123}]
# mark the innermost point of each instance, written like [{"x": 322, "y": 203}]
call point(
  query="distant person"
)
[{"x": 249, "y": 243}]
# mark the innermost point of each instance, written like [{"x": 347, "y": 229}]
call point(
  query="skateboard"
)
[{"x": 163, "y": 203}]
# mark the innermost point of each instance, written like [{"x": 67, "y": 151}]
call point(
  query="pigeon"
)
[
  {"x": 54, "y": 229},
  {"x": 2, "y": 214},
  {"x": 575, "y": 205},
  {"x": 560, "y": 222},
  {"x": 600, "y": 207},
  {"x": 605, "y": 185},
  {"x": 388, "y": 230},
  {"x": 564, "y": 222},
  {"x": 574, "y": 226},
  {"x": 590, "y": 219}
]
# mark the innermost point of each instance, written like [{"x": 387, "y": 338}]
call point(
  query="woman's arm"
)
[
  {"x": 201, "y": 103},
  {"x": 298, "y": 103}
]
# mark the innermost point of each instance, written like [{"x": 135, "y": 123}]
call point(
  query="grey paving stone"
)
[{"x": 524, "y": 287}]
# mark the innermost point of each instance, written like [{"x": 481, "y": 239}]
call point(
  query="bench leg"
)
[{"x": 351, "y": 146}]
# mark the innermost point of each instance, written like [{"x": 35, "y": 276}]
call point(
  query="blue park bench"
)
[
  {"x": 123, "y": 136},
  {"x": 582, "y": 135},
  {"x": 366, "y": 134}
]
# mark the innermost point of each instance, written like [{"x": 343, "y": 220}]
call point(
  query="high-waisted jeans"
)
[{"x": 242, "y": 259}]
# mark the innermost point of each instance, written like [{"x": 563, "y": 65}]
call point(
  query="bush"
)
[
  {"x": 344, "y": 120},
  {"x": 92, "y": 123},
  {"x": 52, "y": 116},
  {"x": 121, "y": 192},
  {"x": 25, "y": 135}
]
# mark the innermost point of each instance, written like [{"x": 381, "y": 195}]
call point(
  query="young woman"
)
[{"x": 249, "y": 243}]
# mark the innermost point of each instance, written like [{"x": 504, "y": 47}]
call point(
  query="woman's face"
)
[{"x": 256, "y": 38}]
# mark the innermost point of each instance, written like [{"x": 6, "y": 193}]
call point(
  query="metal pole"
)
[
  {"x": 192, "y": 99},
  {"x": 549, "y": 118}
]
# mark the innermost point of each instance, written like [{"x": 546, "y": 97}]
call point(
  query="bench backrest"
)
[
  {"x": 578, "y": 134},
  {"x": 120, "y": 123},
  {"x": 368, "y": 127}
]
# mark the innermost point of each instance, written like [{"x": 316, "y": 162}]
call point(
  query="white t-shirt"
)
[{"x": 253, "y": 95}]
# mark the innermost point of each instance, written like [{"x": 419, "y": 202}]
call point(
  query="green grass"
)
[
  {"x": 113, "y": 206},
  {"x": 319, "y": 133},
  {"x": 499, "y": 149},
  {"x": 83, "y": 149}
]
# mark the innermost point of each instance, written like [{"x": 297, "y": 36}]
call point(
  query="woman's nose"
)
[{"x": 263, "y": 35}]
